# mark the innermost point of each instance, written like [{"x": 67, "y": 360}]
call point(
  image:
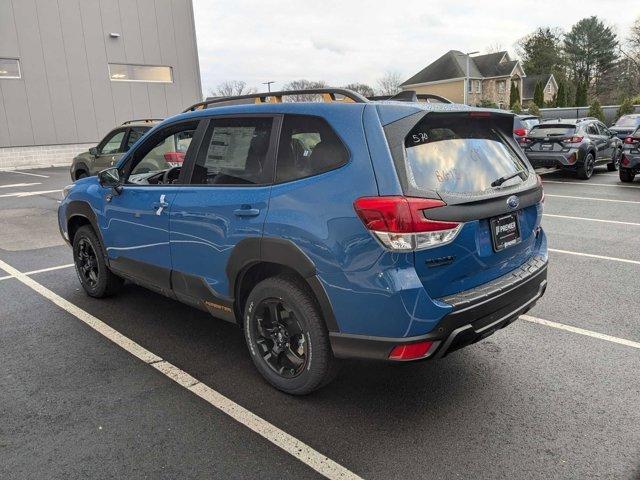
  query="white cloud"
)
[{"x": 349, "y": 41}]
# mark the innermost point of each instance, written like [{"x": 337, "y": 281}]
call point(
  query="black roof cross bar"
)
[
  {"x": 328, "y": 95},
  {"x": 143, "y": 120}
]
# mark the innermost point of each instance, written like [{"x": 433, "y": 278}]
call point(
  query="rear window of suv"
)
[
  {"x": 552, "y": 130},
  {"x": 459, "y": 155}
]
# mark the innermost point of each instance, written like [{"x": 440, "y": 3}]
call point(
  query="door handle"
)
[
  {"x": 160, "y": 205},
  {"x": 247, "y": 212}
]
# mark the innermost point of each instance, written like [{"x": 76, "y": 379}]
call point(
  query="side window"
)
[
  {"x": 165, "y": 149},
  {"x": 592, "y": 130},
  {"x": 603, "y": 130},
  {"x": 112, "y": 144},
  {"x": 134, "y": 135},
  {"x": 235, "y": 153},
  {"x": 308, "y": 146}
]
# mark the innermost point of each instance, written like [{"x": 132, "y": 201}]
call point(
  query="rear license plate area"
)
[
  {"x": 546, "y": 146},
  {"x": 505, "y": 231}
]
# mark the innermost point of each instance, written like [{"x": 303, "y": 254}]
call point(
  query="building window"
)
[
  {"x": 501, "y": 85},
  {"x": 478, "y": 86},
  {"x": 10, "y": 68},
  {"x": 140, "y": 73},
  {"x": 469, "y": 85},
  {"x": 549, "y": 87}
]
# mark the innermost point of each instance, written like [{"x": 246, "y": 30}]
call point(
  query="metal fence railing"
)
[{"x": 610, "y": 112}]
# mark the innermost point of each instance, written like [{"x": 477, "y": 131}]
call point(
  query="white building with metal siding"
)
[{"x": 71, "y": 70}]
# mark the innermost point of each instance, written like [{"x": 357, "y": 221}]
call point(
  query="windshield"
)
[
  {"x": 627, "y": 121},
  {"x": 450, "y": 154},
  {"x": 552, "y": 130}
]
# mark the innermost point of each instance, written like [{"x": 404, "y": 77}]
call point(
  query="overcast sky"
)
[{"x": 348, "y": 41}]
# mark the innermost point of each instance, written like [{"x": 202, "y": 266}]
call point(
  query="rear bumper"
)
[
  {"x": 551, "y": 159},
  {"x": 633, "y": 160},
  {"x": 476, "y": 314}
]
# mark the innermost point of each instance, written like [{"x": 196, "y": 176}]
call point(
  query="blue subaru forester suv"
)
[{"x": 386, "y": 230}]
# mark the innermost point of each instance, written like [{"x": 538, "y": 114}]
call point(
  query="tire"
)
[
  {"x": 94, "y": 274},
  {"x": 299, "y": 333},
  {"x": 615, "y": 164},
  {"x": 626, "y": 175},
  {"x": 586, "y": 170},
  {"x": 81, "y": 174}
]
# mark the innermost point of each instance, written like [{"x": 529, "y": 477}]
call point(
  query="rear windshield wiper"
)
[{"x": 504, "y": 178}]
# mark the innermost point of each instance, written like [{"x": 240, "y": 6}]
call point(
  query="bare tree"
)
[
  {"x": 231, "y": 88},
  {"x": 494, "y": 47},
  {"x": 389, "y": 84},
  {"x": 361, "y": 88},
  {"x": 303, "y": 84}
]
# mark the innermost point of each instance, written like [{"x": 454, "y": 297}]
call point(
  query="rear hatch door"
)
[
  {"x": 550, "y": 138},
  {"x": 459, "y": 159}
]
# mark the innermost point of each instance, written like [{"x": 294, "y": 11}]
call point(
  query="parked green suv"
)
[{"x": 110, "y": 149}]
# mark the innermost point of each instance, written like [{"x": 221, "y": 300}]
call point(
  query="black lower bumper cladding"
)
[{"x": 476, "y": 314}]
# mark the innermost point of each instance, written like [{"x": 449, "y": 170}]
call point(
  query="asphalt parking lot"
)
[{"x": 555, "y": 395}]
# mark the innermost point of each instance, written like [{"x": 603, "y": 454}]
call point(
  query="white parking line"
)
[
  {"x": 599, "y": 257},
  {"x": 589, "y": 198},
  {"x": 42, "y": 270},
  {"x": 581, "y": 331},
  {"x": 25, "y": 173},
  {"x": 585, "y": 184},
  {"x": 15, "y": 185},
  {"x": 592, "y": 220},
  {"x": 303, "y": 452},
  {"x": 28, "y": 194}
]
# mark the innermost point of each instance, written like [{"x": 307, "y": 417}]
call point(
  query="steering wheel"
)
[{"x": 167, "y": 175}]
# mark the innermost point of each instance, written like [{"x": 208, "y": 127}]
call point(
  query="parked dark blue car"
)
[{"x": 391, "y": 230}]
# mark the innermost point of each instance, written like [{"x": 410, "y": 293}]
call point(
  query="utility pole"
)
[
  {"x": 268, "y": 84},
  {"x": 467, "y": 80}
]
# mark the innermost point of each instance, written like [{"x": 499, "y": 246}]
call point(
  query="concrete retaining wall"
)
[
  {"x": 610, "y": 112},
  {"x": 40, "y": 156}
]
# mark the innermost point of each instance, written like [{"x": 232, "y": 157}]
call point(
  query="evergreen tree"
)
[
  {"x": 514, "y": 94},
  {"x": 561, "y": 98},
  {"x": 626, "y": 107},
  {"x": 534, "y": 110},
  {"x": 538, "y": 95},
  {"x": 581, "y": 95},
  {"x": 516, "y": 108},
  {"x": 595, "y": 110}
]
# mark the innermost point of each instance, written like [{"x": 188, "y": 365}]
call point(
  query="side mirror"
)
[
  {"x": 110, "y": 178},
  {"x": 93, "y": 151}
]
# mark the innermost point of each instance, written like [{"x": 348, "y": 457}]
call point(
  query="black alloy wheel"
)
[
  {"x": 87, "y": 263},
  {"x": 280, "y": 339}
]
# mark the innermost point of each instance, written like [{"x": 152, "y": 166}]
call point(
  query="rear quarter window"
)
[
  {"x": 459, "y": 155},
  {"x": 308, "y": 146}
]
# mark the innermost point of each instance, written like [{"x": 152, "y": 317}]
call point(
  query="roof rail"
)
[
  {"x": 328, "y": 95},
  {"x": 143, "y": 120},
  {"x": 412, "y": 96}
]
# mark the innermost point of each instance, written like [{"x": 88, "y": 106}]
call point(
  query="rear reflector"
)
[
  {"x": 400, "y": 223},
  {"x": 410, "y": 351},
  {"x": 631, "y": 140}
]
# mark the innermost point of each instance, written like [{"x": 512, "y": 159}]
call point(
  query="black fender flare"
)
[
  {"x": 81, "y": 166},
  {"x": 279, "y": 251},
  {"x": 78, "y": 208}
]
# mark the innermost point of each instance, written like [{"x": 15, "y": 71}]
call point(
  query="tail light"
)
[
  {"x": 624, "y": 160},
  {"x": 520, "y": 132},
  {"x": 632, "y": 140},
  {"x": 524, "y": 140},
  {"x": 574, "y": 139},
  {"x": 400, "y": 223}
]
